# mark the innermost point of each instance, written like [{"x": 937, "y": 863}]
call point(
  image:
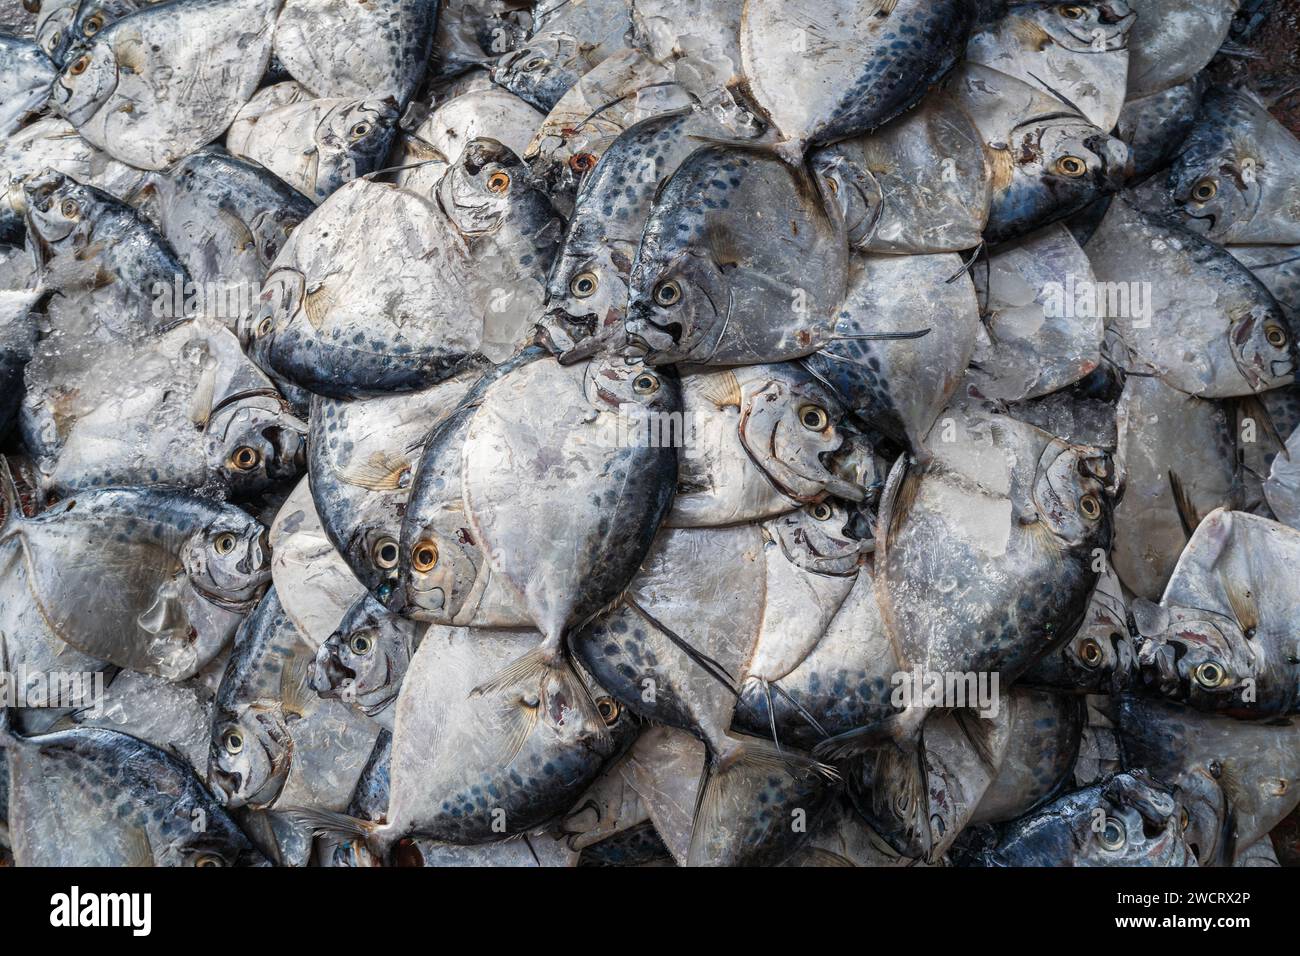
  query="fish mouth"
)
[
  {"x": 329, "y": 675},
  {"x": 226, "y": 785}
]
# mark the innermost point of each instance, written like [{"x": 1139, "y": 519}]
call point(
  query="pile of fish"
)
[{"x": 647, "y": 432}]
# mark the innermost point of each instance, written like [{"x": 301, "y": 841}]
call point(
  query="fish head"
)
[
  {"x": 255, "y": 442},
  {"x": 851, "y": 187},
  {"x": 1051, "y": 167},
  {"x": 93, "y": 17},
  {"x": 1205, "y": 817},
  {"x": 1130, "y": 820},
  {"x": 479, "y": 191},
  {"x": 678, "y": 306},
  {"x": 1263, "y": 346},
  {"x": 1094, "y": 26},
  {"x": 790, "y": 425},
  {"x": 57, "y": 206},
  {"x": 586, "y": 297},
  {"x": 1101, "y": 655},
  {"x": 1213, "y": 186},
  {"x": 86, "y": 82},
  {"x": 229, "y": 561},
  {"x": 248, "y": 756},
  {"x": 365, "y": 658},
  {"x": 820, "y": 537},
  {"x": 1075, "y": 489},
  {"x": 271, "y": 230},
  {"x": 439, "y": 564},
  {"x": 543, "y": 71},
  {"x": 613, "y": 384},
  {"x": 355, "y": 136},
  {"x": 281, "y": 299},
  {"x": 1200, "y": 657},
  {"x": 54, "y": 33}
]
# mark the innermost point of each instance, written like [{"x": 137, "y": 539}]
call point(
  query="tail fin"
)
[
  {"x": 900, "y": 787},
  {"x": 752, "y": 754},
  {"x": 537, "y": 666},
  {"x": 336, "y": 826}
]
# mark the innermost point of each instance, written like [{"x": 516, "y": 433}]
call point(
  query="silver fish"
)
[
  {"x": 338, "y": 49},
  {"x": 26, "y": 77},
  {"x": 708, "y": 287},
  {"x": 316, "y": 145},
  {"x": 837, "y": 69},
  {"x": 164, "y": 589},
  {"x": 117, "y": 89},
  {"x": 1211, "y": 329}
]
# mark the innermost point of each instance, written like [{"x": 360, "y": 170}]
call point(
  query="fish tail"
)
[
  {"x": 538, "y": 665},
  {"x": 337, "y": 826},
  {"x": 719, "y": 772}
]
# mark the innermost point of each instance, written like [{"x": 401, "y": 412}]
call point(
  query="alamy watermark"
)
[
  {"x": 184, "y": 299},
  {"x": 74, "y": 690},
  {"x": 1088, "y": 299},
  {"x": 977, "y": 690}
]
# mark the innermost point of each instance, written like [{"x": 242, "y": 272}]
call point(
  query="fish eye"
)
[
  {"x": 80, "y": 66},
  {"x": 359, "y": 130},
  {"x": 55, "y": 37},
  {"x": 361, "y": 644},
  {"x": 1090, "y": 652},
  {"x": 645, "y": 384},
  {"x": 1113, "y": 835},
  {"x": 385, "y": 553},
  {"x": 1090, "y": 507},
  {"x": 584, "y": 285},
  {"x": 1071, "y": 166},
  {"x": 225, "y": 542},
  {"x": 498, "y": 182},
  {"x": 70, "y": 209},
  {"x": 668, "y": 293},
  {"x": 264, "y": 327},
  {"x": 1072, "y": 12},
  {"x": 233, "y": 741},
  {"x": 1275, "y": 335},
  {"x": 833, "y": 185},
  {"x": 814, "y": 418},
  {"x": 822, "y": 511},
  {"x": 92, "y": 25},
  {"x": 245, "y": 458},
  {"x": 425, "y": 556},
  {"x": 609, "y": 710},
  {"x": 535, "y": 63},
  {"x": 1184, "y": 821},
  {"x": 1205, "y": 190},
  {"x": 1209, "y": 674},
  {"x": 209, "y": 859},
  {"x": 581, "y": 162}
]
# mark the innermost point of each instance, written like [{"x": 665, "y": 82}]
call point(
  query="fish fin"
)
[
  {"x": 330, "y": 824},
  {"x": 724, "y": 391},
  {"x": 1187, "y": 515},
  {"x": 898, "y": 730},
  {"x": 243, "y": 235},
  {"x": 1030, "y": 34},
  {"x": 710, "y": 666},
  {"x": 201, "y": 404},
  {"x": 906, "y": 796},
  {"x": 139, "y": 852},
  {"x": 380, "y": 472},
  {"x": 535, "y": 666},
  {"x": 316, "y": 303},
  {"x": 1250, "y": 406},
  {"x": 295, "y": 696},
  {"x": 1242, "y": 601},
  {"x": 979, "y": 733},
  {"x": 719, "y": 241},
  {"x": 521, "y": 720},
  {"x": 763, "y": 754}
]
